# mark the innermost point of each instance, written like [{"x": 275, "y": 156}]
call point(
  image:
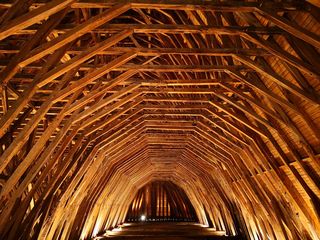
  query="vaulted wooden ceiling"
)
[{"x": 100, "y": 97}]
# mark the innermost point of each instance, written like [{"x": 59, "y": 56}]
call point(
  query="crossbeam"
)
[
  {"x": 239, "y": 6},
  {"x": 168, "y": 28}
]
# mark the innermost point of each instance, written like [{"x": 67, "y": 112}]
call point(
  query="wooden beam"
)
[
  {"x": 90, "y": 130},
  {"x": 17, "y": 8},
  {"x": 21, "y": 139},
  {"x": 82, "y": 57},
  {"x": 270, "y": 74},
  {"x": 104, "y": 102},
  {"x": 12, "y": 150},
  {"x": 42, "y": 32},
  {"x": 253, "y": 101},
  {"x": 169, "y": 29},
  {"x": 164, "y": 51},
  {"x": 239, "y": 118},
  {"x": 55, "y": 72},
  {"x": 283, "y": 55},
  {"x": 117, "y": 123},
  {"x": 191, "y": 5},
  {"x": 182, "y": 68},
  {"x": 244, "y": 109},
  {"x": 315, "y": 2},
  {"x": 74, "y": 33},
  {"x": 291, "y": 27},
  {"x": 31, "y": 155},
  {"x": 19, "y": 104},
  {"x": 103, "y": 89},
  {"x": 33, "y": 17},
  {"x": 92, "y": 76},
  {"x": 4, "y": 99},
  {"x": 159, "y": 68}
]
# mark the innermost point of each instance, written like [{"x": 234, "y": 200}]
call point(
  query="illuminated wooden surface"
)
[
  {"x": 163, "y": 230},
  {"x": 98, "y": 98},
  {"x": 161, "y": 201}
]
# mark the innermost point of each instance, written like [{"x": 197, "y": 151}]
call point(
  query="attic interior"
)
[{"x": 177, "y": 119}]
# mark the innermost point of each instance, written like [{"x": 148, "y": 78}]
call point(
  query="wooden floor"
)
[{"x": 168, "y": 231}]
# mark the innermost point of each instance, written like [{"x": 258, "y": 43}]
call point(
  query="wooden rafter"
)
[
  {"x": 100, "y": 97},
  {"x": 33, "y": 17}
]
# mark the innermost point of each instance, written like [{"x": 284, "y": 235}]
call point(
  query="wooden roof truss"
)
[{"x": 99, "y": 97}]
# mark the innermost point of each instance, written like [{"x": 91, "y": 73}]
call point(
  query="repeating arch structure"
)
[
  {"x": 161, "y": 201},
  {"x": 100, "y": 97}
]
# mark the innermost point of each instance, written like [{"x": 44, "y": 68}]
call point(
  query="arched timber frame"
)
[
  {"x": 161, "y": 201},
  {"x": 99, "y": 97}
]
